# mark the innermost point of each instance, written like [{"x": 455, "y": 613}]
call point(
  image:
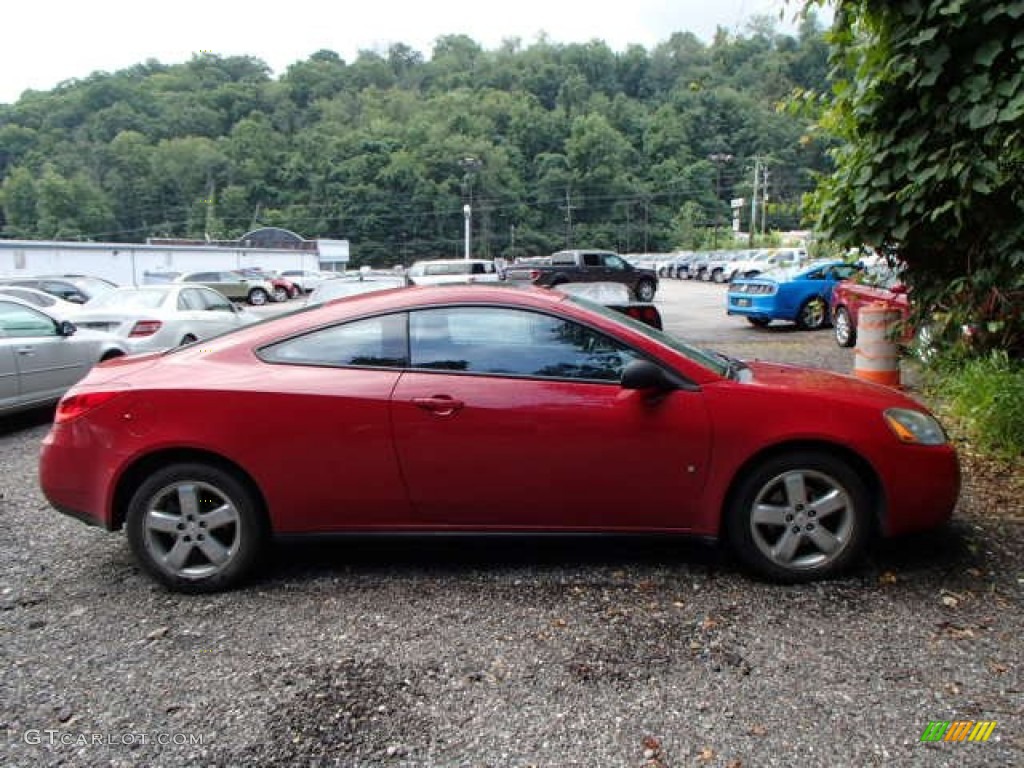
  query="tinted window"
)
[
  {"x": 214, "y": 301},
  {"x": 513, "y": 342},
  {"x": 374, "y": 342},
  {"x": 190, "y": 299}
]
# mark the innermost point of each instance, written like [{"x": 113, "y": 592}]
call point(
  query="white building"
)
[{"x": 269, "y": 248}]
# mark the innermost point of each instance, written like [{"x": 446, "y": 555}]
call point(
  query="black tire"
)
[
  {"x": 212, "y": 547},
  {"x": 717, "y": 276},
  {"x": 842, "y": 324},
  {"x": 111, "y": 355},
  {"x": 258, "y": 297},
  {"x": 188, "y": 338},
  {"x": 760, "y": 322},
  {"x": 645, "y": 290},
  {"x": 799, "y": 516},
  {"x": 813, "y": 314}
]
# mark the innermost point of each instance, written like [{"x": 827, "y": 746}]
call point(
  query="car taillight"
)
[
  {"x": 145, "y": 328},
  {"x": 73, "y": 406},
  {"x": 649, "y": 315},
  {"x": 534, "y": 275}
]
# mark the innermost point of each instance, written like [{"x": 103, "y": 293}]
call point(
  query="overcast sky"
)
[{"x": 48, "y": 41}]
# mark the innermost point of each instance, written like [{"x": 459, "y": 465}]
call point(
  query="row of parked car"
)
[
  {"x": 54, "y": 328},
  {"x": 724, "y": 266}
]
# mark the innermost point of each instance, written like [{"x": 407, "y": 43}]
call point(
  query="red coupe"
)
[{"x": 419, "y": 406}]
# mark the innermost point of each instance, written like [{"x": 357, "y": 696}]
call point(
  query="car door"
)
[
  {"x": 9, "y": 387},
  {"x": 47, "y": 362},
  {"x": 515, "y": 419}
]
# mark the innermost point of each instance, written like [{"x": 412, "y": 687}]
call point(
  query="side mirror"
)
[
  {"x": 642, "y": 374},
  {"x": 66, "y": 328}
]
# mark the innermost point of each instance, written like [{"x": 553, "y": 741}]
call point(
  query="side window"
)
[
  {"x": 513, "y": 342},
  {"x": 614, "y": 262},
  {"x": 21, "y": 322},
  {"x": 377, "y": 342},
  {"x": 66, "y": 291},
  {"x": 190, "y": 299},
  {"x": 214, "y": 301},
  {"x": 592, "y": 260},
  {"x": 815, "y": 275},
  {"x": 203, "y": 277}
]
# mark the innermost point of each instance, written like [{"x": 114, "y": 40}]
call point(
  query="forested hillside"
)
[{"x": 552, "y": 144}]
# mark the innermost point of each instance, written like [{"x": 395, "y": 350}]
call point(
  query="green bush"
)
[{"x": 985, "y": 395}]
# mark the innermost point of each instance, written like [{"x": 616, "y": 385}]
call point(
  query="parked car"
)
[
  {"x": 719, "y": 266},
  {"x": 233, "y": 285},
  {"x": 354, "y": 285},
  {"x": 42, "y": 355},
  {"x": 797, "y": 294},
  {"x": 614, "y": 296},
  {"x": 282, "y": 288},
  {"x": 752, "y": 264},
  {"x": 878, "y": 285},
  {"x": 623, "y": 429},
  {"x": 588, "y": 266},
  {"x": 78, "y": 289},
  {"x": 305, "y": 279},
  {"x": 439, "y": 271},
  {"x": 158, "y": 317},
  {"x": 56, "y": 306}
]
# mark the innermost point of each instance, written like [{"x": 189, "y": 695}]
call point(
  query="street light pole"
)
[{"x": 467, "y": 211}]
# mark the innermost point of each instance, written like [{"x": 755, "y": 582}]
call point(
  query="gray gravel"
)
[{"x": 469, "y": 652}]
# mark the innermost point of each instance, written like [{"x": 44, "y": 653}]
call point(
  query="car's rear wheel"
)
[
  {"x": 188, "y": 338},
  {"x": 813, "y": 314},
  {"x": 280, "y": 294},
  {"x": 195, "y": 527},
  {"x": 645, "y": 290},
  {"x": 294, "y": 292},
  {"x": 258, "y": 297},
  {"x": 760, "y": 322},
  {"x": 842, "y": 323},
  {"x": 717, "y": 276},
  {"x": 799, "y": 516}
]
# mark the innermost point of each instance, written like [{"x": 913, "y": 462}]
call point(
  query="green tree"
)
[{"x": 928, "y": 100}]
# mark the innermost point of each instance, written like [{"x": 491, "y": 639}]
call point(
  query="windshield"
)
[
  {"x": 131, "y": 299},
  {"x": 706, "y": 358}
]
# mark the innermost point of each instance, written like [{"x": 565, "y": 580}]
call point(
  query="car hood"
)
[{"x": 837, "y": 387}]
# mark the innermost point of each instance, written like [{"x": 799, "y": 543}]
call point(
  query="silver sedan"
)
[
  {"x": 42, "y": 356},
  {"x": 157, "y": 317}
]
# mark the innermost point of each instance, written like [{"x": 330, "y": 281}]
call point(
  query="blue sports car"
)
[{"x": 798, "y": 294}]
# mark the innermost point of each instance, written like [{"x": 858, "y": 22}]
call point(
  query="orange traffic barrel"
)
[{"x": 876, "y": 357}]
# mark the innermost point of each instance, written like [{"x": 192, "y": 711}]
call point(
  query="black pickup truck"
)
[{"x": 585, "y": 266}]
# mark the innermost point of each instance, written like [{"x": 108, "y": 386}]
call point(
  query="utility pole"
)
[
  {"x": 568, "y": 218},
  {"x": 764, "y": 198},
  {"x": 753, "y": 200}
]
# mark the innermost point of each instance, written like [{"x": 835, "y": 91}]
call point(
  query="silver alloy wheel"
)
[
  {"x": 802, "y": 520},
  {"x": 191, "y": 529},
  {"x": 257, "y": 297},
  {"x": 280, "y": 294},
  {"x": 843, "y": 327},
  {"x": 812, "y": 314}
]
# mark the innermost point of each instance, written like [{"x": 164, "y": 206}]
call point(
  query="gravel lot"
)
[{"x": 518, "y": 652}]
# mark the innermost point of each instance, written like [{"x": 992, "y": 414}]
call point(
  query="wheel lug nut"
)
[
  {"x": 796, "y": 529},
  {"x": 810, "y": 526}
]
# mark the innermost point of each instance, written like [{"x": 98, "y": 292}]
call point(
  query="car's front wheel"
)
[
  {"x": 813, "y": 314},
  {"x": 645, "y": 290},
  {"x": 280, "y": 294},
  {"x": 799, "y": 516},
  {"x": 196, "y": 527},
  {"x": 842, "y": 324}
]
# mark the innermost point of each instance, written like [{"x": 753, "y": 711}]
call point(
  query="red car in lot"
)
[
  {"x": 873, "y": 287},
  {"x": 418, "y": 407}
]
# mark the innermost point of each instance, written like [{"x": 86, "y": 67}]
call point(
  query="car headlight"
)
[{"x": 914, "y": 427}]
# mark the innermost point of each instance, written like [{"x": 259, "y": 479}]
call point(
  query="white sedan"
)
[{"x": 156, "y": 317}]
